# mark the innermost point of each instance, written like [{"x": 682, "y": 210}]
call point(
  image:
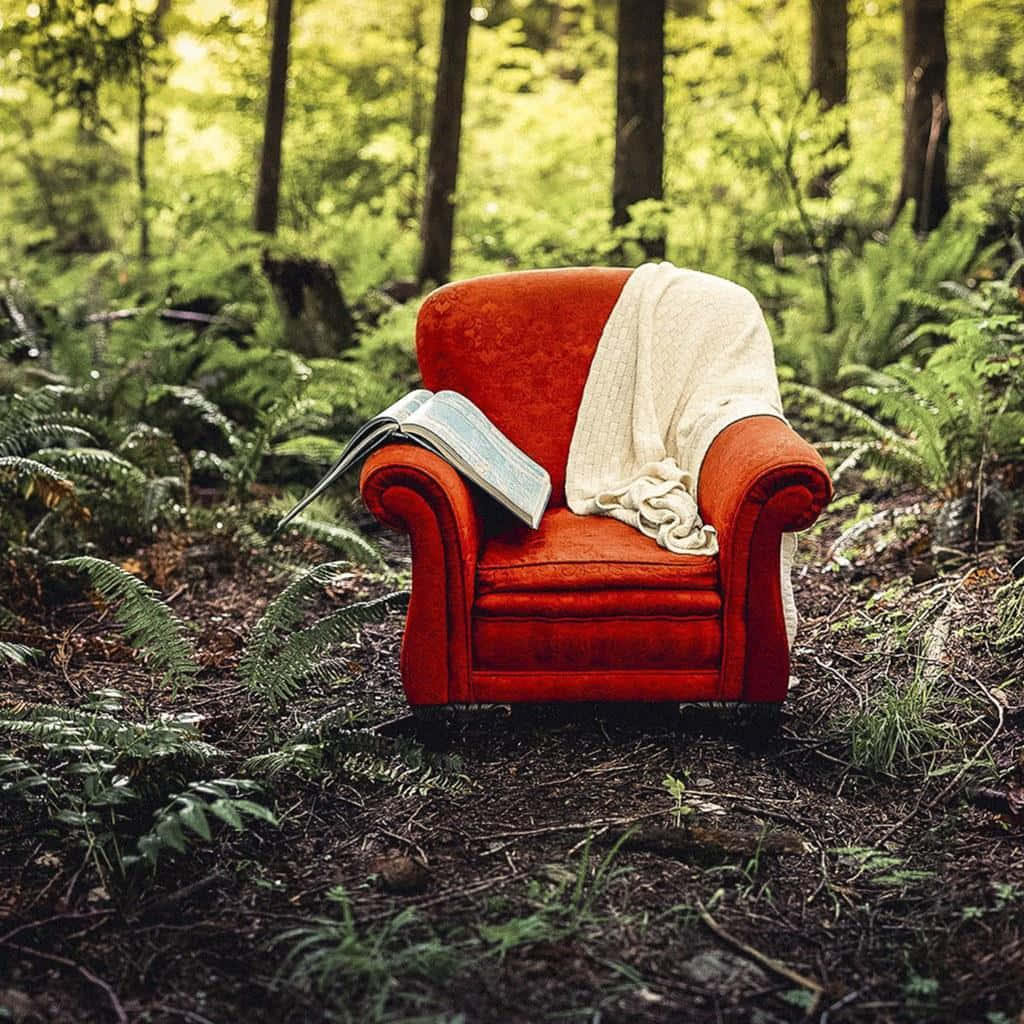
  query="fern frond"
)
[
  {"x": 300, "y": 759},
  {"x": 158, "y": 495},
  {"x": 154, "y": 449},
  {"x": 190, "y": 812},
  {"x": 321, "y": 728},
  {"x": 321, "y": 451},
  {"x": 278, "y": 676},
  {"x": 149, "y": 623},
  {"x": 33, "y": 436},
  {"x": 21, "y": 410},
  {"x": 197, "y": 405},
  {"x": 18, "y": 653},
  {"x": 33, "y": 477},
  {"x": 360, "y": 754},
  {"x": 293, "y": 414},
  {"x": 285, "y": 611},
  {"x": 167, "y": 737},
  {"x": 94, "y": 464},
  {"x": 342, "y": 539},
  {"x": 841, "y": 410},
  {"x": 20, "y": 780}
]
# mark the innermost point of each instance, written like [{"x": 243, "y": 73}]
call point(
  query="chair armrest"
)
[
  {"x": 409, "y": 488},
  {"x": 759, "y": 480}
]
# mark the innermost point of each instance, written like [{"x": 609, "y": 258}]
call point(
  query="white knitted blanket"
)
[{"x": 682, "y": 355}]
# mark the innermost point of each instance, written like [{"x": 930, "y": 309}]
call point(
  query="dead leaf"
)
[{"x": 400, "y": 873}]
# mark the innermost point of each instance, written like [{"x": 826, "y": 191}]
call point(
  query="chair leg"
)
[{"x": 761, "y": 721}]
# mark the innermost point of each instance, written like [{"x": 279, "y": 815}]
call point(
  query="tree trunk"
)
[
  {"x": 925, "y": 113},
  {"x": 140, "y": 159},
  {"x": 268, "y": 188},
  {"x": 443, "y": 158},
  {"x": 417, "y": 104},
  {"x": 829, "y": 50},
  {"x": 317, "y": 320},
  {"x": 640, "y": 111}
]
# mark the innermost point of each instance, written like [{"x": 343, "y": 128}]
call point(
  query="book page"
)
[
  {"x": 401, "y": 410},
  {"x": 490, "y": 457}
]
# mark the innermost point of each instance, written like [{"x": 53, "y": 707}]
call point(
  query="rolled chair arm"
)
[
  {"x": 759, "y": 480},
  {"x": 409, "y": 488}
]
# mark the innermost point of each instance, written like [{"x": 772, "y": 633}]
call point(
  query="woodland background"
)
[{"x": 216, "y": 224}]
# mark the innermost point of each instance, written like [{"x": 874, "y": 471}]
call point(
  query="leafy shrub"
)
[
  {"x": 952, "y": 425},
  {"x": 103, "y": 779},
  {"x": 874, "y": 292}
]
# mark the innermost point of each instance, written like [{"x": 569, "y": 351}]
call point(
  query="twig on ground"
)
[
  {"x": 187, "y": 1014},
  {"x": 408, "y": 842},
  {"x": 50, "y": 920},
  {"x": 182, "y": 894},
  {"x": 94, "y": 979},
  {"x": 574, "y": 826},
  {"x": 773, "y": 965}
]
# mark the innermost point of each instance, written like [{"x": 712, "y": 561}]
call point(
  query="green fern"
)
[
  {"x": 195, "y": 404},
  {"x": 20, "y": 780},
  {"x": 95, "y": 464},
  {"x": 33, "y": 436},
  {"x": 279, "y": 663},
  {"x": 275, "y": 432},
  {"x": 873, "y": 293},
  {"x": 329, "y": 743},
  {"x": 99, "y": 777},
  {"x": 284, "y": 611},
  {"x": 98, "y": 729},
  {"x": 943, "y": 425},
  {"x": 150, "y": 625},
  {"x": 190, "y": 812},
  {"x": 342, "y": 539},
  {"x": 18, "y": 653}
]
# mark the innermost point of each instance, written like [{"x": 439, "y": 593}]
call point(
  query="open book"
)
[{"x": 451, "y": 426}]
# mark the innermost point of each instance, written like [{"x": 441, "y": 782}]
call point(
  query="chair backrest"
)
[{"x": 519, "y": 345}]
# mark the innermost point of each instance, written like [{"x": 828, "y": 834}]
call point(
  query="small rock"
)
[
  {"x": 399, "y": 873},
  {"x": 723, "y": 971},
  {"x": 17, "y": 1006}
]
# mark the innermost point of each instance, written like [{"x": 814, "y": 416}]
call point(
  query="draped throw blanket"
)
[{"x": 682, "y": 355}]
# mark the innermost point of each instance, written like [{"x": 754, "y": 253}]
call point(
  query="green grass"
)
[{"x": 902, "y": 730}]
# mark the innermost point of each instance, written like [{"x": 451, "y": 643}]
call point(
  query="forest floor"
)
[{"x": 599, "y": 863}]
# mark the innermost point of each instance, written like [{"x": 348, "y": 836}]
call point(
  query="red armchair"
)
[{"x": 585, "y": 607}]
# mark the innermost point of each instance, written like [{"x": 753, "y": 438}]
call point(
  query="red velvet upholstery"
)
[{"x": 584, "y": 608}]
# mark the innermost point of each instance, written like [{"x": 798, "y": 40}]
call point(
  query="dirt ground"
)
[{"x": 777, "y": 878}]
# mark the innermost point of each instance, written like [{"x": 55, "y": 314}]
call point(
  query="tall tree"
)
[
  {"x": 640, "y": 111},
  {"x": 268, "y": 188},
  {"x": 829, "y": 54},
  {"x": 925, "y": 113},
  {"x": 438, "y": 221}
]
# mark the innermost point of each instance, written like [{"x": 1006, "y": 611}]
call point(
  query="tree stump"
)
[{"x": 317, "y": 320}]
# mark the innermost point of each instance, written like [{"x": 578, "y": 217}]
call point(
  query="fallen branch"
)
[
  {"x": 575, "y": 826},
  {"x": 768, "y": 962},
  {"x": 94, "y": 979},
  {"x": 179, "y": 315},
  {"x": 50, "y": 920},
  {"x": 704, "y": 843}
]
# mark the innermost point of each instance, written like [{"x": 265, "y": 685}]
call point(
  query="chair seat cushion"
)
[
  {"x": 587, "y": 593},
  {"x": 586, "y": 553}
]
